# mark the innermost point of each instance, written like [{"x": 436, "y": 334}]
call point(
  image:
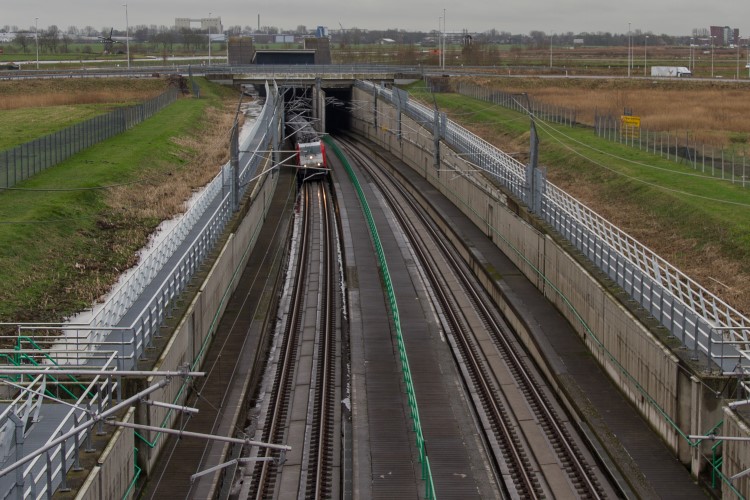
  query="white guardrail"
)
[
  {"x": 701, "y": 320},
  {"x": 41, "y": 475}
]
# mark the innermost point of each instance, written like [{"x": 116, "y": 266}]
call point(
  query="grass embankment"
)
[
  {"x": 67, "y": 233},
  {"x": 34, "y": 108},
  {"x": 698, "y": 223}
]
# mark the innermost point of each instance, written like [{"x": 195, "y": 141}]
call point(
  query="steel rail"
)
[
  {"x": 285, "y": 371},
  {"x": 477, "y": 372},
  {"x": 327, "y": 364}
]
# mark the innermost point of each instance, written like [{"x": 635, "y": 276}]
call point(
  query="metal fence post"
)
[
  {"x": 63, "y": 466},
  {"x": 436, "y": 139},
  {"x": 77, "y": 443},
  {"x": 235, "y": 166},
  {"x": 49, "y": 474}
]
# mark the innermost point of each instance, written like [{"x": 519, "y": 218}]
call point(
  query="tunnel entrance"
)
[{"x": 338, "y": 110}]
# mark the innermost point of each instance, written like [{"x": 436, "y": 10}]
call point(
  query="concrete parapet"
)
[{"x": 112, "y": 476}]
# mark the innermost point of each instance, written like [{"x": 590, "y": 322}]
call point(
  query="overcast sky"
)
[{"x": 673, "y": 17}]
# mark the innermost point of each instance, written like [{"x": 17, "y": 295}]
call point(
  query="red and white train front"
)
[{"x": 311, "y": 155}]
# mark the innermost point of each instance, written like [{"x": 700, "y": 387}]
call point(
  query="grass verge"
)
[
  {"x": 67, "y": 233},
  {"x": 698, "y": 223}
]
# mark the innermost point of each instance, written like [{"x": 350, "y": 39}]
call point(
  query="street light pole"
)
[
  {"x": 645, "y": 55},
  {"x": 36, "y": 39},
  {"x": 127, "y": 35},
  {"x": 444, "y": 39},
  {"x": 440, "y": 41},
  {"x": 209, "y": 39},
  {"x": 629, "y": 49},
  {"x": 691, "y": 62},
  {"x": 550, "y": 52},
  {"x": 712, "y": 55},
  {"x": 737, "y": 75}
]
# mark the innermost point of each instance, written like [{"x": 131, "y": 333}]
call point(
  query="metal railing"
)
[
  {"x": 40, "y": 476},
  {"x": 699, "y": 319},
  {"x": 101, "y": 343},
  {"x": 155, "y": 311},
  {"x": 24, "y": 161}
]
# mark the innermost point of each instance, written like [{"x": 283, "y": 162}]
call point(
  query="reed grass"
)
[
  {"x": 58, "y": 92},
  {"x": 712, "y": 113}
]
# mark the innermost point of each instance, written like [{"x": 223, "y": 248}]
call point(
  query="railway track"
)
[
  {"x": 300, "y": 408},
  {"x": 535, "y": 451}
]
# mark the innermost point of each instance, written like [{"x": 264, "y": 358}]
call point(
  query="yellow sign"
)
[{"x": 631, "y": 121}]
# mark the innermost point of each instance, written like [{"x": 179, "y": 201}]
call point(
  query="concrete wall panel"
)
[
  {"x": 736, "y": 455},
  {"x": 115, "y": 469},
  {"x": 197, "y": 324},
  {"x": 645, "y": 370}
]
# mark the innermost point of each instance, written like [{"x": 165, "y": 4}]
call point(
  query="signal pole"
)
[{"x": 127, "y": 35}]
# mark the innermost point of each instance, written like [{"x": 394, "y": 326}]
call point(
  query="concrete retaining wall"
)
[
  {"x": 198, "y": 325},
  {"x": 675, "y": 402},
  {"x": 736, "y": 455},
  {"x": 113, "y": 474}
]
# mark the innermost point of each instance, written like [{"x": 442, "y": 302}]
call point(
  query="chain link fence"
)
[
  {"x": 28, "y": 159},
  {"x": 727, "y": 164},
  {"x": 520, "y": 102}
]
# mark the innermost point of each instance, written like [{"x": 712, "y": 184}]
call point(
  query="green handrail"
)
[
  {"x": 19, "y": 340},
  {"x": 136, "y": 473},
  {"x": 411, "y": 395}
]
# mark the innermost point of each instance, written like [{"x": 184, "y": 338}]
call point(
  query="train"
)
[
  {"x": 310, "y": 150},
  {"x": 312, "y": 155}
]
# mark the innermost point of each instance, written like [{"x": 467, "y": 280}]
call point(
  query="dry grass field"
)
[
  {"x": 59, "y": 92},
  {"x": 712, "y": 112}
]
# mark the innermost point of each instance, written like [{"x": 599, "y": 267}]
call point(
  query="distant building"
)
[
  {"x": 214, "y": 23},
  {"x": 724, "y": 35},
  {"x": 241, "y": 50}
]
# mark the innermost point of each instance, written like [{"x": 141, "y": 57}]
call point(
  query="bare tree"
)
[
  {"x": 64, "y": 43},
  {"x": 23, "y": 41},
  {"x": 49, "y": 38}
]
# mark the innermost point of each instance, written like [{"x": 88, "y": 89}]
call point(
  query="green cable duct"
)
[{"x": 426, "y": 471}]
